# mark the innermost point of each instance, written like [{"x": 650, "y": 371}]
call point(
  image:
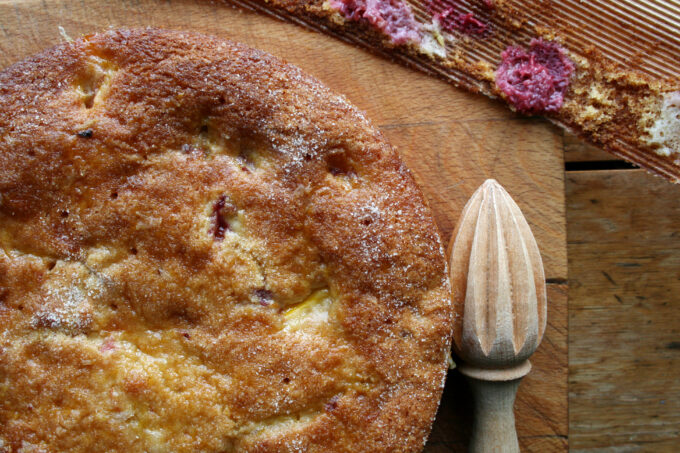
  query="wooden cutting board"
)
[{"x": 451, "y": 140}]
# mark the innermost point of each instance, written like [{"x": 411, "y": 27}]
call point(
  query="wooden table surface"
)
[
  {"x": 452, "y": 141},
  {"x": 623, "y": 229}
]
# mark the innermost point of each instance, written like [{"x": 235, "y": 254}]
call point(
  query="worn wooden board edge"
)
[{"x": 576, "y": 150}]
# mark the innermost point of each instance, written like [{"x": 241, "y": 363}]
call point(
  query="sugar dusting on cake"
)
[
  {"x": 69, "y": 307},
  {"x": 393, "y": 18},
  {"x": 174, "y": 332},
  {"x": 535, "y": 80},
  {"x": 68, "y": 310},
  {"x": 665, "y": 133}
]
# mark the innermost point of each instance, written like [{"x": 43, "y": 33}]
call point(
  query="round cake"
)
[{"x": 204, "y": 249}]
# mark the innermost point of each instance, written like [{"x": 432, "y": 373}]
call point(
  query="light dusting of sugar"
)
[
  {"x": 381, "y": 218},
  {"x": 68, "y": 307},
  {"x": 66, "y": 310},
  {"x": 304, "y": 138},
  {"x": 372, "y": 248}
]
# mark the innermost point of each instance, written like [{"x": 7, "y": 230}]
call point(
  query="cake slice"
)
[{"x": 604, "y": 70}]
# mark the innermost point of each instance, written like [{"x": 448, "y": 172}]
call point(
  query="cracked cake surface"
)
[{"x": 204, "y": 249}]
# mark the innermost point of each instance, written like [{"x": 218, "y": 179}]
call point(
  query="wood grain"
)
[
  {"x": 624, "y": 312},
  {"x": 452, "y": 141},
  {"x": 511, "y": 151},
  {"x": 499, "y": 293},
  {"x": 539, "y": 405}
]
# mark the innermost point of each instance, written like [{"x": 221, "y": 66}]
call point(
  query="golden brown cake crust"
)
[{"x": 203, "y": 249}]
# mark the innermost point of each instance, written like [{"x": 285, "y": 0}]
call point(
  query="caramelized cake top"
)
[{"x": 204, "y": 249}]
